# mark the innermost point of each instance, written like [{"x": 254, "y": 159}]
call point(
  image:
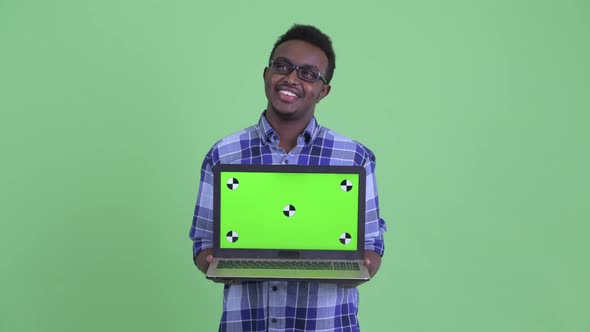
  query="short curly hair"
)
[{"x": 314, "y": 36}]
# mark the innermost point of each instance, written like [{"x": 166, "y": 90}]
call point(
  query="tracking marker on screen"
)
[
  {"x": 345, "y": 238},
  {"x": 289, "y": 211},
  {"x": 346, "y": 185},
  {"x": 233, "y": 183}
]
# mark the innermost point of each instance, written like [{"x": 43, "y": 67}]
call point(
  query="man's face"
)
[{"x": 288, "y": 95}]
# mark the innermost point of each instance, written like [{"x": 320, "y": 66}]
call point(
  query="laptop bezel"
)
[{"x": 357, "y": 254}]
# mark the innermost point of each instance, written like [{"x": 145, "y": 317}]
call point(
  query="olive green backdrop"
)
[{"x": 478, "y": 112}]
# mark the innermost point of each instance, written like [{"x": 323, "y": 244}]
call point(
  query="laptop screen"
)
[{"x": 289, "y": 207}]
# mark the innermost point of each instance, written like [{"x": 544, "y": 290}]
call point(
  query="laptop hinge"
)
[{"x": 289, "y": 254}]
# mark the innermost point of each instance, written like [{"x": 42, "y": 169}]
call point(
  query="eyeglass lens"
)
[{"x": 305, "y": 73}]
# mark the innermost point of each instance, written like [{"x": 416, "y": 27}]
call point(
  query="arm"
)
[
  {"x": 374, "y": 225},
  {"x": 201, "y": 231}
]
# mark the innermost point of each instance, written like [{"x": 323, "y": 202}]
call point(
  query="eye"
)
[
  {"x": 282, "y": 66},
  {"x": 309, "y": 74}
]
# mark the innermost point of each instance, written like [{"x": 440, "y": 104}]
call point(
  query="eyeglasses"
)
[{"x": 306, "y": 73}]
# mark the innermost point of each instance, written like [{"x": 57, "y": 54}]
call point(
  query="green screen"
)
[
  {"x": 307, "y": 211},
  {"x": 477, "y": 112}
]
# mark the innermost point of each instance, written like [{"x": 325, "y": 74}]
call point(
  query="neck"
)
[{"x": 288, "y": 128}]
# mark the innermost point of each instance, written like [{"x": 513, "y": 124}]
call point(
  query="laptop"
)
[{"x": 287, "y": 222}]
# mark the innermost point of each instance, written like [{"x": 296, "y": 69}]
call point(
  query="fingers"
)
[
  {"x": 203, "y": 260},
  {"x": 372, "y": 262}
]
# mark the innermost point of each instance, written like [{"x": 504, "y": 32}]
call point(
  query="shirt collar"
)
[{"x": 270, "y": 137}]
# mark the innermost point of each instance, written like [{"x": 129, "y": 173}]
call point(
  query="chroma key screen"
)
[{"x": 276, "y": 210}]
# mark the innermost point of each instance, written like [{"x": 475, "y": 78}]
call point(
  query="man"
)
[{"x": 300, "y": 68}]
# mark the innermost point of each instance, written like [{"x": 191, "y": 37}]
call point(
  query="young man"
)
[{"x": 300, "y": 68}]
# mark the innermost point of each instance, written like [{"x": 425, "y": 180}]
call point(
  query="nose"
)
[{"x": 292, "y": 77}]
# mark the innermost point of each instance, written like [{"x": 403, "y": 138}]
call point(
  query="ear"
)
[
  {"x": 323, "y": 92},
  {"x": 264, "y": 72}
]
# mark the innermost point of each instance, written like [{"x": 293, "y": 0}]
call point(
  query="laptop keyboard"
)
[{"x": 265, "y": 265}]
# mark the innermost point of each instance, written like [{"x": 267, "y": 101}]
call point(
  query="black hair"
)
[{"x": 314, "y": 36}]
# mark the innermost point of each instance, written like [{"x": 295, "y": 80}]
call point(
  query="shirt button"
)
[
  {"x": 274, "y": 288},
  {"x": 274, "y": 320},
  {"x": 286, "y": 161}
]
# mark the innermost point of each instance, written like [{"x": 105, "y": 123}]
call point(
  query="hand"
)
[
  {"x": 204, "y": 259},
  {"x": 372, "y": 262}
]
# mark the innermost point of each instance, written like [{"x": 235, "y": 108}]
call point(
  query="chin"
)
[{"x": 283, "y": 111}]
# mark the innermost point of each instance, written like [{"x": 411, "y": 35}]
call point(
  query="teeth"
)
[{"x": 288, "y": 93}]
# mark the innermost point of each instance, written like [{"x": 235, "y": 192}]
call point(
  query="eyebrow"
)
[{"x": 300, "y": 66}]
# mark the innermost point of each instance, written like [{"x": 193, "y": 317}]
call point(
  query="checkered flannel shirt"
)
[{"x": 287, "y": 306}]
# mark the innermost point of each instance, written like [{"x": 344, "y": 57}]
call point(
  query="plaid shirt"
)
[{"x": 287, "y": 306}]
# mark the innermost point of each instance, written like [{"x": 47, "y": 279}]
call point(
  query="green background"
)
[
  {"x": 478, "y": 113},
  {"x": 323, "y": 211}
]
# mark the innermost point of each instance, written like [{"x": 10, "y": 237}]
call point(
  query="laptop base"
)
[{"x": 355, "y": 275}]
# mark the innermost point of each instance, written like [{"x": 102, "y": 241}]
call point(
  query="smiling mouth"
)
[{"x": 287, "y": 93}]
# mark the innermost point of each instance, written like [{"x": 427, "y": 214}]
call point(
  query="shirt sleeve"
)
[
  {"x": 374, "y": 225},
  {"x": 201, "y": 231}
]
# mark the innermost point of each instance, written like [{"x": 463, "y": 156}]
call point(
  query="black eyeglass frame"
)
[{"x": 296, "y": 68}]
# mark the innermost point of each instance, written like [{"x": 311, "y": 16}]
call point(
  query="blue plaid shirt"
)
[{"x": 287, "y": 306}]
